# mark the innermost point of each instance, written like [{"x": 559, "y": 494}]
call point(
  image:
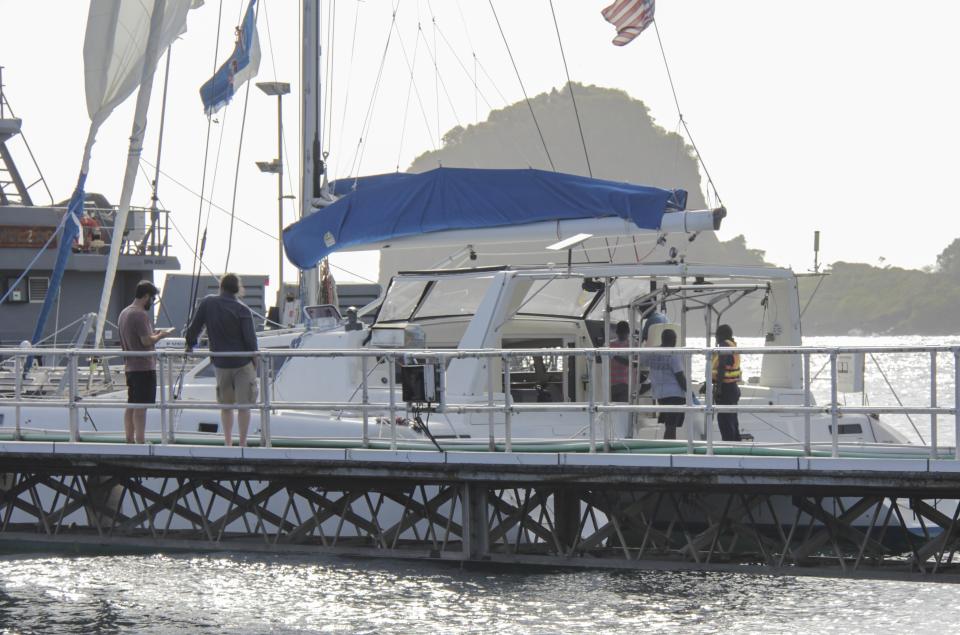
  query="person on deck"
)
[
  {"x": 229, "y": 325},
  {"x": 668, "y": 383},
  {"x": 726, "y": 377},
  {"x": 620, "y": 365},
  {"x": 137, "y": 334}
]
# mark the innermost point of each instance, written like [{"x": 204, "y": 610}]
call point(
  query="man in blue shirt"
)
[{"x": 229, "y": 325}]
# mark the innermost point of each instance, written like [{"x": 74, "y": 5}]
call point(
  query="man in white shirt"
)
[{"x": 668, "y": 383}]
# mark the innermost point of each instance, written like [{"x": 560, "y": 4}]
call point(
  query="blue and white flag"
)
[{"x": 241, "y": 66}]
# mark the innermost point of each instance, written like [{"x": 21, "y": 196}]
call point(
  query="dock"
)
[{"x": 793, "y": 515}]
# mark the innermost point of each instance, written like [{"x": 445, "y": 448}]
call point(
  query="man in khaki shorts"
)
[{"x": 229, "y": 325}]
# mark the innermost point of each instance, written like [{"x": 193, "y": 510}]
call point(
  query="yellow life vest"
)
[{"x": 731, "y": 372}]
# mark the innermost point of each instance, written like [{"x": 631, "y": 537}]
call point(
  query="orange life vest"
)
[{"x": 731, "y": 372}]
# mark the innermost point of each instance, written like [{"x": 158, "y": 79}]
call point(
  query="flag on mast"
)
[
  {"x": 630, "y": 17},
  {"x": 240, "y": 67}
]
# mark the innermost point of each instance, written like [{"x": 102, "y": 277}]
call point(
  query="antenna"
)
[{"x": 816, "y": 251}]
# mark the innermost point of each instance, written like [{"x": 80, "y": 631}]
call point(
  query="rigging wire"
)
[
  {"x": 410, "y": 88},
  {"x": 346, "y": 94},
  {"x": 680, "y": 114},
  {"x": 436, "y": 72},
  {"x": 236, "y": 179},
  {"x": 897, "y": 397},
  {"x": 329, "y": 83},
  {"x": 203, "y": 179},
  {"x": 155, "y": 185},
  {"x": 411, "y": 65},
  {"x": 439, "y": 79},
  {"x": 200, "y": 256},
  {"x": 243, "y": 127},
  {"x": 368, "y": 117},
  {"x": 576, "y": 111},
  {"x": 812, "y": 296},
  {"x": 524, "y": 90},
  {"x": 473, "y": 51},
  {"x": 473, "y": 79},
  {"x": 611, "y": 252},
  {"x": 204, "y": 199},
  {"x": 283, "y": 132}
]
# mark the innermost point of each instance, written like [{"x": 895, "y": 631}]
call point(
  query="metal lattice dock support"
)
[{"x": 791, "y": 515}]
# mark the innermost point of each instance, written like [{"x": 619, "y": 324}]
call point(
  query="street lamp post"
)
[{"x": 276, "y": 167}]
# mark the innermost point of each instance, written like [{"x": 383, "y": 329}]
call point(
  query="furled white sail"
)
[
  {"x": 116, "y": 44},
  {"x": 124, "y": 40}
]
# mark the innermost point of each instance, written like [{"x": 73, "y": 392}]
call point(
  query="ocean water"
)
[
  {"x": 244, "y": 593},
  {"x": 240, "y": 593}
]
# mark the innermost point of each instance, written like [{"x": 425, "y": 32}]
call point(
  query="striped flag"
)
[
  {"x": 630, "y": 17},
  {"x": 241, "y": 66}
]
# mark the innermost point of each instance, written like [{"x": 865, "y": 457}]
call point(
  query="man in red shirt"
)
[
  {"x": 137, "y": 334},
  {"x": 620, "y": 365}
]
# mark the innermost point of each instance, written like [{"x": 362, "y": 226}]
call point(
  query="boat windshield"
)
[
  {"x": 419, "y": 299},
  {"x": 402, "y": 298},
  {"x": 561, "y": 297},
  {"x": 454, "y": 296}
]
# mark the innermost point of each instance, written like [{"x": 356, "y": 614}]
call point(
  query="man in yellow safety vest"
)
[{"x": 726, "y": 377}]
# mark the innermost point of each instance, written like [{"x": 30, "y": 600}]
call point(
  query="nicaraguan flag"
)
[{"x": 241, "y": 66}]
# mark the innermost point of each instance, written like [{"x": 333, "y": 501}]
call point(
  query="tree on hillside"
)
[
  {"x": 623, "y": 141},
  {"x": 949, "y": 259}
]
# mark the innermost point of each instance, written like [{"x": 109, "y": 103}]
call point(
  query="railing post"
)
[
  {"x": 507, "y": 405},
  {"x": 391, "y": 386},
  {"x": 265, "y": 437},
  {"x": 607, "y": 417},
  {"x": 956, "y": 404},
  {"x": 493, "y": 440},
  {"x": 933, "y": 404},
  {"x": 365, "y": 400},
  {"x": 162, "y": 389},
  {"x": 834, "y": 415},
  {"x": 591, "y": 402},
  {"x": 687, "y": 365},
  {"x": 17, "y": 392},
  {"x": 171, "y": 397},
  {"x": 72, "y": 396},
  {"x": 708, "y": 408},
  {"x": 806, "y": 403},
  {"x": 442, "y": 374}
]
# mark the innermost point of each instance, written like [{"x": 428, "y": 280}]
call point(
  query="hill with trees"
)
[{"x": 854, "y": 297}]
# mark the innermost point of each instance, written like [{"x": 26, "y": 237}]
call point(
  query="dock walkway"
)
[{"x": 799, "y": 515}]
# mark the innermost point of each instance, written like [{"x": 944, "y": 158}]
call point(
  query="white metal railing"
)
[{"x": 169, "y": 362}]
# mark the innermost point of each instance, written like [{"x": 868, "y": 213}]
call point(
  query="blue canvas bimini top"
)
[{"x": 378, "y": 208}]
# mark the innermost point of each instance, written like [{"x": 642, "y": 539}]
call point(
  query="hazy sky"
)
[{"x": 837, "y": 116}]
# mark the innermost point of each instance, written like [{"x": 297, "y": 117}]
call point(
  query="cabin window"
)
[
  {"x": 537, "y": 377},
  {"x": 847, "y": 428},
  {"x": 562, "y": 297},
  {"x": 454, "y": 297},
  {"x": 401, "y": 300},
  {"x": 37, "y": 288}
]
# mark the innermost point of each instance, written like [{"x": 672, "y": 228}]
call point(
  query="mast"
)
[
  {"x": 311, "y": 164},
  {"x": 133, "y": 160}
]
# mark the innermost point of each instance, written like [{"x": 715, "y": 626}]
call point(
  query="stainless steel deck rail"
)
[{"x": 168, "y": 361}]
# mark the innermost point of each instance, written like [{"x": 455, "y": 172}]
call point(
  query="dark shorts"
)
[
  {"x": 672, "y": 418},
  {"x": 141, "y": 386}
]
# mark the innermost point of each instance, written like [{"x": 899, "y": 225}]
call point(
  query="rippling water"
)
[{"x": 242, "y": 593}]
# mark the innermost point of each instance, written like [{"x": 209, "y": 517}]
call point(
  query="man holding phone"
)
[{"x": 137, "y": 334}]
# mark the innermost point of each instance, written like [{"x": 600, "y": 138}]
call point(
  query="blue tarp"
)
[{"x": 377, "y": 208}]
